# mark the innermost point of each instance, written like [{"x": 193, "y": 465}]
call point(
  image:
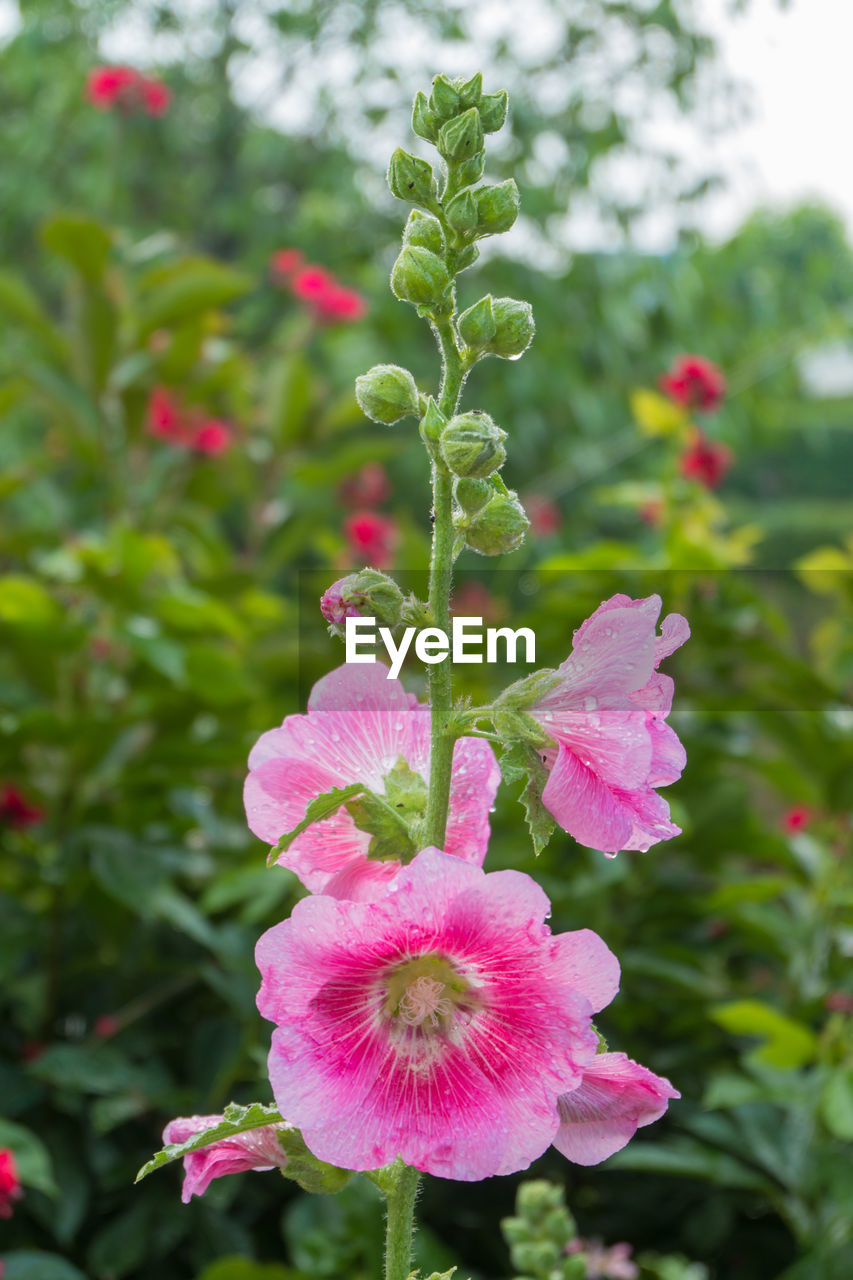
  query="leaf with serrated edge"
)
[
  {"x": 235, "y": 1120},
  {"x": 520, "y": 760},
  {"x": 321, "y": 807}
]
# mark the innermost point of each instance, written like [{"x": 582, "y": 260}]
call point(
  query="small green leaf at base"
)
[
  {"x": 520, "y": 760},
  {"x": 321, "y": 807},
  {"x": 235, "y": 1120}
]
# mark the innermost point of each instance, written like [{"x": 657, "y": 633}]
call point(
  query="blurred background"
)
[{"x": 196, "y": 238}]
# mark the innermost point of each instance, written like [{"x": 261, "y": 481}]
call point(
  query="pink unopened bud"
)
[{"x": 333, "y": 606}]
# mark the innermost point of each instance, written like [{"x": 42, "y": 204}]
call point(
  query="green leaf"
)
[
  {"x": 321, "y": 807},
  {"x": 520, "y": 760},
  {"x": 81, "y": 241},
  {"x": 687, "y": 1158},
  {"x": 235, "y": 1119},
  {"x": 19, "y": 304},
  {"x": 31, "y": 1157},
  {"x": 186, "y": 289},
  {"x": 238, "y": 1268},
  {"x": 33, "y": 1264},
  {"x": 836, "y": 1104},
  {"x": 24, "y": 603},
  {"x": 289, "y": 398},
  {"x": 788, "y": 1044}
]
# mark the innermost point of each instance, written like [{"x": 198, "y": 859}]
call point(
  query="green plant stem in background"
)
[
  {"x": 441, "y": 567},
  {"x": 401, "y": 1189}
]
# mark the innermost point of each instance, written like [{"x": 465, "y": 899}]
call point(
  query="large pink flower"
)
[
  {"x": 359, "y": 724},
  {"x": 614, "y": 1099},
  {"x": 254, "y": 1149},
  {"x": 607, "y": 716},
  {"x": 440, "y": 1023}
]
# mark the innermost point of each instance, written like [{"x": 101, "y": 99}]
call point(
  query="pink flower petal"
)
[
  {"x": 615, "y": 1098},
  {"x": 254, "y": 1149}
]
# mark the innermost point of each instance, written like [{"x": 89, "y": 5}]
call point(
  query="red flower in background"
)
[
  {"x": 543, "y": 514},
  {"x": 330, "y": 301},
  {"x": 695, "y": 383},
  {"x": 127, "y": 89},
  {"x": 474, "y": 600},
  {"x": 15, "y": 811},
  {"x": 706, "y": 461},
  {"x": 187, "y": 428},
  {"x": 371, "y": 538},
  {"x": 10, "y": 1183},
  {"x": 797, "y": 818},
  {"x": 369, "y": 487}
]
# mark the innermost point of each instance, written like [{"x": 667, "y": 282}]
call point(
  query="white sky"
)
[{"x": 797, "y": 68}]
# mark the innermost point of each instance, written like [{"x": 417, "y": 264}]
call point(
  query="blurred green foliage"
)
[{"x": 156, "y": 616}]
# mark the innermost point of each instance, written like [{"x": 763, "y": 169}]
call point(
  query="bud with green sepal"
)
[
  {"x": 470, "y": 171},
  {"x": 493, "y": 109},
  {"x": 462, "y": 213},
  {"x": 461, "y": 138},
  {"x": 412, "y": 179},
  {"x": 444, "y": 99},
  {"x": 471, "y": 91},
  {"x": 514, "y": 328},
  {"x": 472, "y": 445},
  {"x": 472, "y": 495},
  {"x": 477, "y": 326},
  {"x": 500, "y": 527},
  {"x": 366, "y": 594},
  {"x": 419, "y": 276},
  {"x": 387, "y": 393},
  {"x": 424, "y": 230},
  {"x": 432, "y": 423},
  {"x": 497, "y": 208},
  {"x": 424, "y": 121}
]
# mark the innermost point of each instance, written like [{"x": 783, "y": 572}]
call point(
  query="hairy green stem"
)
[
  {"x": 440, "y": 573},
  {"x": 401, "y": 1192}
]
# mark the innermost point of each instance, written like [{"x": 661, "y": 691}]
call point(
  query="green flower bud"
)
[
  {"x": 514, "y": 328},
  {"x": 500, "y": 526},
  {"x": 492, "y": 108},
  {"x": 477, "y": 325},
  {"x": 471, "y": 91},
  {"x": 419, "y": 275},
  {"x": 424, "y": 122},
  {"x": 574, "y": 1268},
  {"x": 472, "y": 445},
  {"x": 516, "y": 1231},
  {"x": 534, "y": 1199},
  {"x": 376, "y": 596},
  {"x": 461, "y": 138},
  {"x": 472, "y": 495},
  {"x": 467, "y": 257},
  {"x": 462, "y": 213},
  {"x": 411, "y": 178},
  {"x": 537, "y": 1258},
  {"x": 444, "y": 99},
  {"x": 497, "y": 208},
  {"x": 424, "y": 230},
  {"x": 471, "y": 171},
  {"x": 433, "y": 422},
  {"x": 387, "y": 393}
]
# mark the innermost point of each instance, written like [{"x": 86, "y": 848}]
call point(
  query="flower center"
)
[{"x": 426, "y": 992}]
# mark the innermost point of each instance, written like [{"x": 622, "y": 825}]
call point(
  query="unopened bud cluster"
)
[
  {"x": 539, "y": 1234},
  {"x": 451, "y": 213}
]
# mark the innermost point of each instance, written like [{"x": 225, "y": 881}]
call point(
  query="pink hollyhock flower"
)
[
  {"x": 156, "y": 96},
  {"x": 706, "y": 461},
  {"x": 695, "y": 383},
  {"x": 254, "y": 1149},
  {"x": 369, "y": 487},
  {"x": 359, "y": 724},
  {"x": 107, "y": 86},
  {"x": 615, "y": 1097},
  {"x": 285, "y": 262},
  {"x": 605, "y": 1264},
  {"x": 10, "y": 1183},
  {"x": 165, "y": 420},
  {"x": 797, "y": 818},
  {"x": 371, "y": 538},
  {"x": 439, "y": 1023},
  {"x": 543, "y": 514},
  {"x": 333, "y": 606},
  {"x": 212, "y": 437},
  {"x": 329, "y": 300},
  {"x": 606, "y": 715},
  {"x": 16, "y": 810}
]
